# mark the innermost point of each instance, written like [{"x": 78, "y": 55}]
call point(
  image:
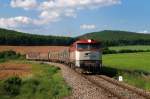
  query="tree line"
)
[
  {"x": 109, "y": 51},
  {"x": 9, "y": 37},
  {"x": 126, "y": 42},
  {"x": 108, "y": 38},
  {"x": 118, "y": 38}
]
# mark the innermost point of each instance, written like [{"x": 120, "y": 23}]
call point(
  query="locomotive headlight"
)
[{"x": 89, "y": 40}]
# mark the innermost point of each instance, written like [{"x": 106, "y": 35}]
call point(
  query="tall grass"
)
[
  {"x": 45, "y": 82},
  {"x": 134, "y": 67},
  {"x": 137, "y": 80}
]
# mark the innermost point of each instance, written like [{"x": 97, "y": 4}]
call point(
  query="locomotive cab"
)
[{"x": 87, "y": 55}]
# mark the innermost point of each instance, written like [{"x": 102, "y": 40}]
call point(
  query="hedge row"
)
[{"x": 108, "y": 51}]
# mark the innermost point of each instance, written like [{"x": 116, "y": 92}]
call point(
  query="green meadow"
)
[
  {"x": 130, "y": 61},
  {"x": 134, "y": 67}
]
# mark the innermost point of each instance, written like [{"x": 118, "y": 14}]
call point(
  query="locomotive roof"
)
[{"x": 90, "y": 41}]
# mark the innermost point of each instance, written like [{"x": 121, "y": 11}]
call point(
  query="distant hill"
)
[
  {"x": 10, "y": 37},
  {"x": 109, "y": 37}
]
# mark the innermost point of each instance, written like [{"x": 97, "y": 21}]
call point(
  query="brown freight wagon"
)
[{"x": 37, "y": 56}]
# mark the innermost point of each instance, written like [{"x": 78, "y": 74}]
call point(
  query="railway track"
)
[
  {"x": 117, "y": 89},
  {"x": 132, "y": 89}
]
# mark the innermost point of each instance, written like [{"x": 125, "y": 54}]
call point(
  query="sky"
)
[{"x": 74, "y": 17}]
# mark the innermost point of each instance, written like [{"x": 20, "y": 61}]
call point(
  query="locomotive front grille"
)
[{"x": 89, "y": 63}]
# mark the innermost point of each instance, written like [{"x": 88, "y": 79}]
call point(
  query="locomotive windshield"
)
[{"x": 87, "y": 46}]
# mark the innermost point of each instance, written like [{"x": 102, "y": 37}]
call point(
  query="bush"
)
[
  {"x": 127, "y": 51},
  {"x": 109, "y": 51},
  {"x": 12, "y": 86},
  {"x": 9, "y": 55},
  {"x": 30, "y": 86}
]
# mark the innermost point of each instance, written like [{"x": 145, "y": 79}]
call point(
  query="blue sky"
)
[{"x": 74, "y": 17}]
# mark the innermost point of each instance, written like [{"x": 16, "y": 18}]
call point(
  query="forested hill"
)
[
  {"x": 109, "y": 37},
  {"x": 10, "y": 37}
]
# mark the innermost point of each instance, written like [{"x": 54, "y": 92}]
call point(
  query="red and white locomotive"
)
[{"x": 84, "y": 54}]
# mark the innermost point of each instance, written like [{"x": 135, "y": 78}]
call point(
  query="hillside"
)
[
  {"x": 108, "y": 38},
  {"x": 10, "y": 37},
  {"x": 111, "y": 38}
]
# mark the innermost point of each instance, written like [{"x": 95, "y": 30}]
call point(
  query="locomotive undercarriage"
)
[
  {"x": 87, "y": 67},
  {"x": 91, "y": 66}
]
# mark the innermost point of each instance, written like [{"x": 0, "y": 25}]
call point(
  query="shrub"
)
[
  {"x": 12, "y": 85},
  {"x": 127, "y": 51},
  {"x": 109, "y": 51},
  {"x": 30, "y": 86},
  {"x": 9, "y": 55}
]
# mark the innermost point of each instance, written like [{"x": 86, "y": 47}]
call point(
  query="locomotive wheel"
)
[
  {"x": 72, "y": 66},
  {"x": 79, "y": 70}
]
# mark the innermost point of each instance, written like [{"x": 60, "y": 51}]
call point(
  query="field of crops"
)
[
  {"x": 8, "y": 69},
  {"x": 28, "y": 49},
  {"x": 135, "y": 47},
  {"x": 134, "y": 67},
  {"x": 130, "y": 61}
]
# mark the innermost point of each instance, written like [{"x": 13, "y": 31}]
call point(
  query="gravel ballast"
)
[{"x": 81, "y": 87}]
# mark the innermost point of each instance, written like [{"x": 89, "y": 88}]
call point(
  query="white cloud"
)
[
  {"x": 47, "y": 16},
  {"x": 14, "y": 21},
  {"x": 54, "y": 10},
  {"x": 77, "y": 3},
  {"x": 70, "y": 13},
  {"x": 88, "y": 26},
  {"x": 68, "y": 8},
  {"x": 144, "y": 31},
  {"x": 26, "y": 4}
]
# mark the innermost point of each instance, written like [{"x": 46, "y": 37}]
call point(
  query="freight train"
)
[{"x": 83, "y": 54}]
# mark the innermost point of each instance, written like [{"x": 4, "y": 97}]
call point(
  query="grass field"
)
[
  {"x": 130, "y": 61},
  {"x": 135, "y": 47},
  {"x": 134, "y": 67},
  {"x": 44, "y": 82}
]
